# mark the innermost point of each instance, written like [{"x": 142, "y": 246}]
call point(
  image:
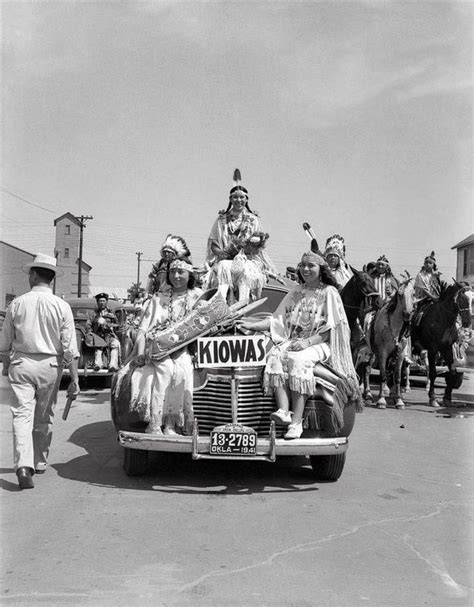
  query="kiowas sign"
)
[{"x": 231, "y": 351}]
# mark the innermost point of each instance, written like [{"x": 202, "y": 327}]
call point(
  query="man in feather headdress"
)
[
  {"x": 335, "y": 257},
  {"x": 172, "y": 248}
]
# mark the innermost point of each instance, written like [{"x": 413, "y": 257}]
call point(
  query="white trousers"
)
[{"x": 35, "y": 380}]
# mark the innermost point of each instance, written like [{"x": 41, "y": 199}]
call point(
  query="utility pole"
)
[
  {"x": 82, "y": 223},
  {"x": 138, "y": 254}
]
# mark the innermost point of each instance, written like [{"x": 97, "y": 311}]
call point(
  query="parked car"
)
[
  {"x": 82, "y": 308},
  {"x": 232, "y": 414}
]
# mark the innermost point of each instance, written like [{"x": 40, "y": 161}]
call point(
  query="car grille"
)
[{"x": 212, "y": 406}]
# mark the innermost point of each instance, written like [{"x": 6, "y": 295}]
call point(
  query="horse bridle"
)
[{"x": 457, "y": 304}]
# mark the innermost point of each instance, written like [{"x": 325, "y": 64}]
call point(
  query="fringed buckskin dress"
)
[
  {"x": 303, "y": 313},
  {"x": 162, "y": 391},
  {"x": 229, "y": 232}
]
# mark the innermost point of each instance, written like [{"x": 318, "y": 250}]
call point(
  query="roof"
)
[
  {"x": 17, "y": 248},
  {"x": 465, "y": 242},
  {"x": 69, "y": 216}
]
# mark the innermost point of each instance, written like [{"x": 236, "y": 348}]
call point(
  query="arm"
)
[
  {"x": 255, "y": 325},
  {"x": 90, "y": 322},
  {"x": 218, "y": 251},
  {"x": 73, "y": 388},
  {"x": 6, "y": 340},
  {"x": 70, "y": 351},
  {"x": 318, "y": 338}
]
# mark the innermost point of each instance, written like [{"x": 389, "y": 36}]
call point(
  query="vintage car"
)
[
  {"x": 82, "y": 308},
  {"x": 232, "y": 414}
]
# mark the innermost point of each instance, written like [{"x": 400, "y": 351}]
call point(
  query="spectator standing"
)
[{"x": 38, "y": 335}]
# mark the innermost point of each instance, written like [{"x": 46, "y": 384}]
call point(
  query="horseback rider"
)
[
  {"x": 100, "y": 333},
  {"x": 385, "y": 282},
  {"x": 427, "y": 291},
  {"x": 427, "y": 284},
  {"x": 335, "y": 257},
  {"x": 385, "y": 285}
]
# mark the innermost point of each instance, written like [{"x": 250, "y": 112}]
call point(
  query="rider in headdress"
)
[
  {"x": 427, "y": 285},
  {"x": 236, "y": 246},
  {"x": 335, "y": 257},
  {"x": 173, "y": 247},
  {"x": 427, "y": 291},
  {"x": 385, "y": 282}
]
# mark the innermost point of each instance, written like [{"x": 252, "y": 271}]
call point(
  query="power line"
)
[{"x": 33, "y": 204}]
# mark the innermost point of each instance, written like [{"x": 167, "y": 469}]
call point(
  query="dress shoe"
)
[{"x": 25, "y": 478}]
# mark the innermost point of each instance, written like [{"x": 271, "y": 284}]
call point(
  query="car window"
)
[{"x": 81, "y": 313}]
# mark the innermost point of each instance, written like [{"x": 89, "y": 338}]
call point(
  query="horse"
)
[
  {"x": 437, "y": 332},
  {"x": 358, "y": 289},
  {"x": 354, "y": 293},
  {"x": 388, "y": 341}
]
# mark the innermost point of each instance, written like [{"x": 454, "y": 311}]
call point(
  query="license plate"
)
[{"x": 233, "y": 439}]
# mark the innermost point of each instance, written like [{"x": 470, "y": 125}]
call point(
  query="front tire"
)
[
  {"x": 135, "y": 461},
  {"x": 328, "y": 467}
]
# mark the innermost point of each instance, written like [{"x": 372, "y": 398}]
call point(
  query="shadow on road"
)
[{"x": 179, "y": 473}]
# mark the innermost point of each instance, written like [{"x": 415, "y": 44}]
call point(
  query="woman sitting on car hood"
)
[
  {"x": 309, "y": 327},
  {"x": 162, "y": 390}
]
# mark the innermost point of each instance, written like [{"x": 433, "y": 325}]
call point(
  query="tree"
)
[{"x": 135, "y": 292}]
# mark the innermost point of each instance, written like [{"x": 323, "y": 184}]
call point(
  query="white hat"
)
[{"x": 44, "y": 261}]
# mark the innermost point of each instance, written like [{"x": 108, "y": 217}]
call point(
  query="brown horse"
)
[
  {"x": 388, "y": 341},
  {"x": 437, "y": 332}
]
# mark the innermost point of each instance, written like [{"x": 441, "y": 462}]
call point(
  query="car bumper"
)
[
  {"x": 267, "y": 448},
  {"x": 89, "y": 373}
]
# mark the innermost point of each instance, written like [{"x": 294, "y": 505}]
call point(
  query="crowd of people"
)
[{"x": 309, "y": 331}]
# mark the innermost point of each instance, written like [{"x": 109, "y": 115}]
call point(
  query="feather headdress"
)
[
  {"x": 175, "y": 245},
  {"x": 237, "y": 177},
  {"x": 335, "y": 245}
]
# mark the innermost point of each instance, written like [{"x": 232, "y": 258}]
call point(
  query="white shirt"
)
[{"x": 39, "y": 322}]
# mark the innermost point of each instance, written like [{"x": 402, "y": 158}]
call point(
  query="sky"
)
[{"x": 353, "y": 116}]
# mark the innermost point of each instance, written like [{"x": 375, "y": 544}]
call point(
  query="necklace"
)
[
  {"x": 311, "y": 297},
  {"x": 182, "y": 309},
  {"x": 233, "y": 222}
]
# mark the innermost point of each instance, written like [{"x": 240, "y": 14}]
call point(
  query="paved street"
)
[{"x": 396, "y": 529}]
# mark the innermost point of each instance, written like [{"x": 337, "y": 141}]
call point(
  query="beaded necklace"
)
[
  {"x": 184, "y": 309},
  {"x": 311, "y": 297},
  {"x": 234, "y": 224}
]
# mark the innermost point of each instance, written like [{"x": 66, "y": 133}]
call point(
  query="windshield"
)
[{"x": 274, "y": 297}]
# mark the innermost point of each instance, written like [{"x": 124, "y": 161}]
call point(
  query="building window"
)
[
  {"x": 67, "y": 229},
  {"x": 467, "y": 261},
  {"x": 66, "y": 253}
]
